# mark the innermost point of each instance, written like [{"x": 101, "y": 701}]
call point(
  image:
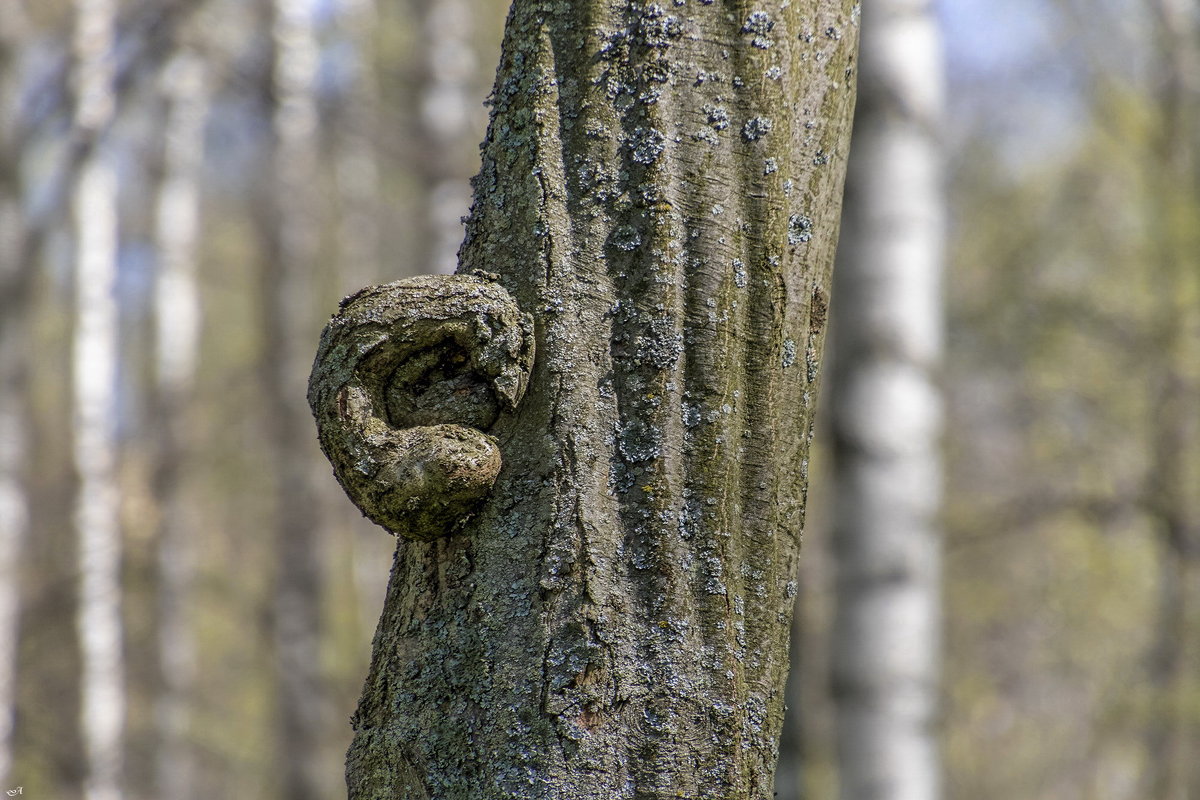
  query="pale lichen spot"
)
[
  {"x": 717, "y": 117},
  {"x": 789, "y": 353},
  {"x": 739, "y": 273},
  {"x": 646, "y": 145},
  {"x": 799, "y": 229},
  {"x": 759, "y": 25},
  {"x": 756, "y": 128}
]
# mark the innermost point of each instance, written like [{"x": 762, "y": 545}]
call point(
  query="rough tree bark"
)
[
  {"x": 654, "y": 224},
  {"x": 886, "y": 415}
]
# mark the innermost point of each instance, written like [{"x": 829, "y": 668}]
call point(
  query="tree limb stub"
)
[{"x": 411, "y": 381}]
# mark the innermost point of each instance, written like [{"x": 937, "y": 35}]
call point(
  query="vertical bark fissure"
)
[{"x": 614, "y": 621}]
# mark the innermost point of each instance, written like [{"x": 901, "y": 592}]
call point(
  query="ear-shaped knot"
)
[{"x": 409, "y": 379}]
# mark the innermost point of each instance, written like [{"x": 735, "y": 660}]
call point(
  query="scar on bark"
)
[{"x": 410, "y": 381}]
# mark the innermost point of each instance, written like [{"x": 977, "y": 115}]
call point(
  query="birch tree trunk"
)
[
  {"x": 357, "y": 160},
  {"x": 445, "y": 111},
  {"x": 177, "y": 311},
  {"x": 593, "y": 585},
  {"x": 95, "y": 409},
  {"x": 886, "y": 415},
  {"x": 292, "y": 237}
]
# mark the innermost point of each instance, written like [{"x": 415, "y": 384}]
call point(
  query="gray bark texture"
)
[{"x": 609, "y": 617}]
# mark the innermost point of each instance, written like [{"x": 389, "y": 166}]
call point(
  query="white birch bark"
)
[
  {"x": 177, "y": 312},
  {"x": 357, "y": 162},
  {"x": 95, "y": 359},
  {"x": 886, "y": 413},
  {"x": 445, "y": 113},
  {"x": 304, "y": 772}
]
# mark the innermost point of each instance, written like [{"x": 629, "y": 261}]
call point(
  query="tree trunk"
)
[
  {"x": 656, "y": 217},
  {"x": 445, "y": 110},
  {"x": 14, "y": 319},
  {"x": 357, "y": 160},
  {"x": 97, "y": 519},
  {"x": 886, "y": 415},
  {"x": 360, "y": 232},
  {"x": 292, "y": 237},
  {"x": 14, "y": 503},
  {"x": 177, "y": 313}
]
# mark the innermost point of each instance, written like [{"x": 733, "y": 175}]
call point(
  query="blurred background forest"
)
[{"x": 188, "y": 187}]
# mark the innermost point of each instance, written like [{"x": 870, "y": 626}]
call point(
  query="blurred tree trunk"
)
[
  {"x": 177, "y": 313},
  {"x": 885, "y": 411},
  {"x": 357, "y": 161},
  {"x": 97, "y": 511},
  {"x": 807, "y": 760},
  {"x": 15, "y": 275},
  {"x": 291, "y": 237},
  {"x": 1174, "y": 734},
  {"x": 357, "y": 165},
  {"x": 14, "y": 504},
  {"x": 14, "y": 511},
  {"x": 445, "y": 107},
  {"x": 660, "y": 191}
]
